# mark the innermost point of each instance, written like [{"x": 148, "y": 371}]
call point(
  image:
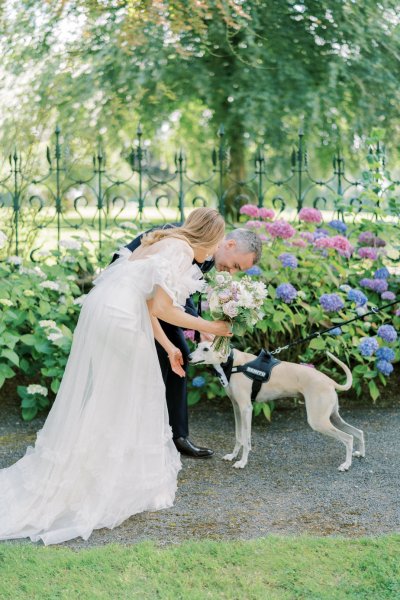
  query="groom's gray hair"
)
[{"x": 247, "y": 241}]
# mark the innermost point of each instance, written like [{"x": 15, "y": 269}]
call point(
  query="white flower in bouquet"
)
[
  {"x": 231, "y": 309},
  {"x": 239, "y": 302}
]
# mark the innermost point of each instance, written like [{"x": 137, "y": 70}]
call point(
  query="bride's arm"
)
[
  {"x": 162, "y": 307},
  {"x": 174, "y": 354}
]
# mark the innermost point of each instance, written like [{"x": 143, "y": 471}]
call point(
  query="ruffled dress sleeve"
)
[{"x": 167, "y": 264}]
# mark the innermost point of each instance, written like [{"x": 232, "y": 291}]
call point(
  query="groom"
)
[{"x": 238, "y": 251}]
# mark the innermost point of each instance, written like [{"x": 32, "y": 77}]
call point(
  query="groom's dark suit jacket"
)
[{"x": 175, "y": 386}]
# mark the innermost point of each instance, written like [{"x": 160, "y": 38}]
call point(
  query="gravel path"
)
[{"x": 291, "y": 484}]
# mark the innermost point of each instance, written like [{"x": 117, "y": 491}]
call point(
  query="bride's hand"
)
[
  {"x": 222, "y": 328},
  {"x": 176, "y": 361}
]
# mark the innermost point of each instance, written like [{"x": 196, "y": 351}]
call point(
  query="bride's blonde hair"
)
[{"x": 203, "y": 228}]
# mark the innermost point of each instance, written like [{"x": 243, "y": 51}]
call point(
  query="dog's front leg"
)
[
  {"x": 238, "y": 432},
  {"x": 246, "y": 415}
]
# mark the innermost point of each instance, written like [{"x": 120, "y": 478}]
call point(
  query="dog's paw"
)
[
  {"x": 240, "y": 464},
  {"x": 229, "y": 456},
  {"x": 358, "y": 454},
  {"x": 344, "y": 467}
]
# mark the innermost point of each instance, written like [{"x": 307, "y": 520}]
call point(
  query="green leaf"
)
[
  {"x": 267, "y": 411},
  {"x": 55, "y": 385},
  {"x": 373, "y": 390},
  {"x": 28, "y": 339},
  {"x": 317, "y": 344},
  {"x": 29, "y": 413},
  {"x": 11, "y": 355},
  {"x": 6, "y": 371}
]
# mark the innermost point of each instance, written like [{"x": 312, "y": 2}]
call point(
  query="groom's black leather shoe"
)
[{"x": 185, "y": 446}]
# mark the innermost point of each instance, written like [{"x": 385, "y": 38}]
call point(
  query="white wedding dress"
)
[{"x": 105, "y": 451}]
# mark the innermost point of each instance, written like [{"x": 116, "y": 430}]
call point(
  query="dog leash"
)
[{"x": 373, "y": 311}]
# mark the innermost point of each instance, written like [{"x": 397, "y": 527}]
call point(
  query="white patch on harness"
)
[{"x": 222, "y": 377}]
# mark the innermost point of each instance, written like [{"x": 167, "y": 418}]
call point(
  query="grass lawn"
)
[{"x": 269, "y": 568}]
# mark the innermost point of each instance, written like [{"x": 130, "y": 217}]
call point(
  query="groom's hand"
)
[{"x": 176, "y": 361}]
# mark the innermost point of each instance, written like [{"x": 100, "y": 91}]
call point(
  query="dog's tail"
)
[{"x": 349, "y": 382}]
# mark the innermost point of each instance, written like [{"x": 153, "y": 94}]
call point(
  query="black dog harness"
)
[{"x": 258, "y": 370}]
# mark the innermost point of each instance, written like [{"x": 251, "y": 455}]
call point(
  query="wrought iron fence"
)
[{"x": 61, "y": 199}]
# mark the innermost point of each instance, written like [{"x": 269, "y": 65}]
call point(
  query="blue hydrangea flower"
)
[
  {"x": 288, "y": 260},
  {"x": 198, "y": 381},
  {"x": 386, "y": 353},
  {"x": 331, "y": 302},
  {"x": 385, "y": 367},
  {"x": 344, "y": 288},
  {"x": 338, "y": 225},
  {"x": 255, "y": 270},
  {"x": 319, "y": 233},
  {"x": 336, "y": 331},
  {"x": 387, "y": 333},
  {"x": 358, "y": 297},
  {"x": 382, "y": 273},
  {"x": 368, "y": 346},
  {"x": 388, "y": 296},
  {"x": 286, "y": 292}
]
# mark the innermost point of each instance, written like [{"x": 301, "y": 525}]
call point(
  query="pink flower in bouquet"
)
[
  {"x": 310, "y": 215},
  {"x": 368, "y": 252},
  {"x": 266, "y": 213},
  {"x": 250, "y": 210},
  {"x": 264, "y": 238},
  {"x": 189, "y": 334},
  {"x": 280, "y": 229}
]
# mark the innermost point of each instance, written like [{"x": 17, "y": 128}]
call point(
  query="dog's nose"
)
[{"x": 190, "y": 358}]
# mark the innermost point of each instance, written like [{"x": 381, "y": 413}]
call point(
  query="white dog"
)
[{"x": 286, "y": 380}]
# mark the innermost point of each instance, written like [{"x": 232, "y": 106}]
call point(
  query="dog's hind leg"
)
[
  {"x": 247, "y": 413},
  {"x": 357, "y": 433},
  {"x": 238, "y": 432},
  {"x": 325, "y": 426}
]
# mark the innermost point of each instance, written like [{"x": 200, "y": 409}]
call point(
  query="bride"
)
[{"x": 105, "y": 451}]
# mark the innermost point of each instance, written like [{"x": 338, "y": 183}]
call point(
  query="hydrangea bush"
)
[
  {"x": 39, "y": 307},
  {"x": 317, "y": 275}
]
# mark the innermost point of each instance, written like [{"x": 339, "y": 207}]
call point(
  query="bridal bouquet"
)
[{"x": 237, "y": 301}]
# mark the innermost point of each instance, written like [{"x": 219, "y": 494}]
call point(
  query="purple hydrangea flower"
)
[
  {"x": 386, "y": 353},
  {"x": 376, "y": 285},
  {"x": 338, "y": 225},
  {"x": 255, "y": 270},
  {"x": 385, "y": 367},
  {"x": 286, "y": 292},
  {"x": 331, "y": 302},
  {"x": 368, "y": 346},
  {"x": 198, "y": 381},
  {"x": 336, "y": 331},
  {"x": 367, "y": 238},
  {"x": 320, "y": 233},
  {"x": 388, "y": 296},
  {"x": 358, "y": 297},
  {"x": 387, "y": 333},
  {"x": 288, "y": 260},
  {"x": 367, "y": 252},
  {"x": 382, "y": 273}
]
